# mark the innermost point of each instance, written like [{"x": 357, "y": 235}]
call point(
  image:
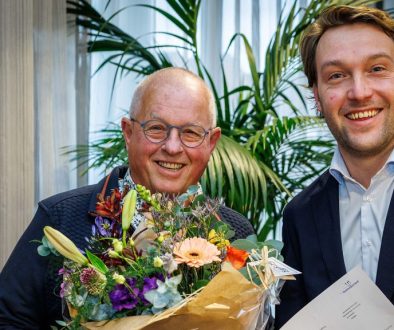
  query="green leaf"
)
[
  {"x": 97, "y": 262},
  {"x": 252, "y": 238},
  {"x": 61, "y": 323},
  {"x": 244, "y": 244},
  {"x": 255, "y": 278},
  {"x": 200, "y": 284},
  {"x": 277, "y": 245},
  {"x": 43, "y": 251}
]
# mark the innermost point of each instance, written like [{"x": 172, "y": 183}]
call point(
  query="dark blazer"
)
[
  {"x": 29, "y": 283},
  {"x": 312, "y": 245}
]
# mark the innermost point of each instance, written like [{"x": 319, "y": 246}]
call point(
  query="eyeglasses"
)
[{"x": 157, "y": 131}]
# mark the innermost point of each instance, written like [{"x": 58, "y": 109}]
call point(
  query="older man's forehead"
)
[{"x": 177, "y": 93}]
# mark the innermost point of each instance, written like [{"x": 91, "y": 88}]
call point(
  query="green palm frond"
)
[
  {"x": 235, "y": 173},
  {"x": 105, "y": 152},
  {"x": 106, "y": 36}
]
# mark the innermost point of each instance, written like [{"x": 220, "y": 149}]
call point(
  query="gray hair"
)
[{"x": 180, "y": 73}]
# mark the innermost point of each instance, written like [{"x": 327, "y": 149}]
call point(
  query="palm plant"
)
[{"x": 263, "y": 158}]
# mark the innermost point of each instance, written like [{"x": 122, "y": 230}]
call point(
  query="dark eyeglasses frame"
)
[{"x": 169, "y": 128}]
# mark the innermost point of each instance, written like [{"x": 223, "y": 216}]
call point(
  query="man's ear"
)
[
  {"x": 317, "y": 99},
  {"x": 127, "y": 130},
  {"x": 214, "y": 137}
]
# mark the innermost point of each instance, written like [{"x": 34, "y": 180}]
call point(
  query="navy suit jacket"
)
[{"x": 312, "y": 245}]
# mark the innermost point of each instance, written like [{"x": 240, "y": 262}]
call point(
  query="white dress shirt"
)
[{"x": 362, "y": 213}]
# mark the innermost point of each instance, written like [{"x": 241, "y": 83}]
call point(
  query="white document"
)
[{"x": 354, "y": 302}]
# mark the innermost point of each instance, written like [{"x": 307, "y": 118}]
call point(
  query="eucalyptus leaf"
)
[
  {"x": 277, "y": 245},
  {"x": 61, "y": 323},
  {"x": 43, "y": 251},
  {"x": 250, "y": 276},
  {"x": 230, "y": 234},
  {"x": 244, "y": 244},
  {"x": 252, "y": 238}
]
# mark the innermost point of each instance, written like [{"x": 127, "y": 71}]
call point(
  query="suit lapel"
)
[
  {"x": 385, "y": 273},
  {"x": 326, "y": 217}
]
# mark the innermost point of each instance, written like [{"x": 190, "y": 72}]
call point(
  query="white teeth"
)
[
  {"x": 171, "y": 166},
  {"x": 363, "y": 114}
]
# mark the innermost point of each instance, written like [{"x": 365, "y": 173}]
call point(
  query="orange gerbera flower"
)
[
  {"x": 195, "y": 252},
  {"x": 236, "y": 257}
]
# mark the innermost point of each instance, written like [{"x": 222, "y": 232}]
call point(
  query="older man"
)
[
  {"x": 169, "y": 136},
  {"x": 346, "y": 217}
]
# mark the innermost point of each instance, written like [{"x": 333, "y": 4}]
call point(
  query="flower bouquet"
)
[{"x": 177, "y": 269}]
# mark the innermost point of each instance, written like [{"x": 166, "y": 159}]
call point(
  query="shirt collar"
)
[
  {"x": 340, "y": 172},
  {"x": 338, "y": 167},
  {"x": 126, "y": 180}
]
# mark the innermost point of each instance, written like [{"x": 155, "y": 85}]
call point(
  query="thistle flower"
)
[
  {"x": 196, "y": 252},
  {"x": 93, "y": 280},
  {"x": 64, "y": 246}
]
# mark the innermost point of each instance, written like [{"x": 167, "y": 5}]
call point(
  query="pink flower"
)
[
  {"x": 88, "y": 275},
  {"x": 93, "y": 280},
  {"x": 196, "y": 252}
]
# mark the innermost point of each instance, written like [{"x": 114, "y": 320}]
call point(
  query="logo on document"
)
[{"x": 348, "y": 285}]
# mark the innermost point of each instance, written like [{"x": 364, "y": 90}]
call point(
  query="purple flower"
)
[
  {"x": 65, "y": 289},
  {"x": 121, "y": 297},
  {"x": 62, "y": 271},
  {"x": 104, "y": 226},
  {"x": 150, "y": 283},
  {"x": 131, "y": 282}
]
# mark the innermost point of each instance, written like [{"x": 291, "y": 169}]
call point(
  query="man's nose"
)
[
  {"x": 173, "y": 144},
  {"x": 360, "y": 88}
]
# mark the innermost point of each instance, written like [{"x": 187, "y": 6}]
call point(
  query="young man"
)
[
  {"x": 346, "y": 217},
  {"x": 169, "y": 136}
]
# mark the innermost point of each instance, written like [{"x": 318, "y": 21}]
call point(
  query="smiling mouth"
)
[
  {"x": 362, "y": 114},
  {"x": 170, "y": 166}
]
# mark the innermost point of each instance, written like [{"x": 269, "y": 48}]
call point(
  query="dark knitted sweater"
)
[{"x": 29, "y": 284}]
